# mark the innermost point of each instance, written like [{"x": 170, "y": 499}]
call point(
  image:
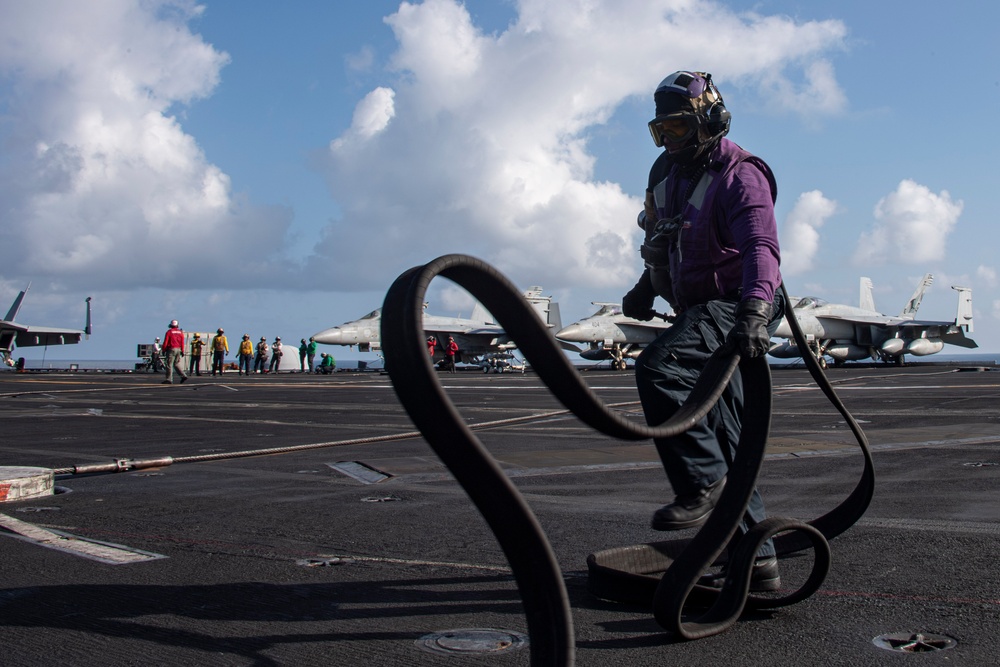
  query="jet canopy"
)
[
  {"x": 810, "y": 302},
  {"x": 608, "y": 309}
]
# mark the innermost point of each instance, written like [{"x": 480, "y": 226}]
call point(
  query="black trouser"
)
[
  {"x": 665, "y": 373},
  {"x": 218, "y": 361}
]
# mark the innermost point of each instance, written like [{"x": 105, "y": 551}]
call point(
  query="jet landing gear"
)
[
  {"x": 818, "y": 349},
  {"x": 617, "y": 355}
]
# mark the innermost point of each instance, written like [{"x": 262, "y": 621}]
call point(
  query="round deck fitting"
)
[
  {"x": 22, "y": 483},
  {"x": 914, "y": 642},
  {"x": 468, "y": 641}
]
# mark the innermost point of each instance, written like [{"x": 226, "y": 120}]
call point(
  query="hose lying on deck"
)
[{"x": 663, "y": 573}]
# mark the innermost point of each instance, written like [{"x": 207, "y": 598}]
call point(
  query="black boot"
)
[
  {"x": 690, "y": 510},
  {"x": 764, "y": 576}
]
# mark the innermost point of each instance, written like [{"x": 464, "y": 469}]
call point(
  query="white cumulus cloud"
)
[
  {"x": 800, "y": 237},
  {"x": 99, "y": 179},
  {"x": 912, "y": 225},
  {"x": 371, "y": 116},
  {"x": 484, "y": 147},
  {"x": 473, "y": 141}
]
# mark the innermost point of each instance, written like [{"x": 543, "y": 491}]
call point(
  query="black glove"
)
[
  {"x": 638, "y": 303},
  {"x": 750, "y": 334}
]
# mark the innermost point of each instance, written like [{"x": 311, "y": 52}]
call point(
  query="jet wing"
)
[
  {"x": 481, "y": 335},
  {"x": 463, "y": 334},
  {"x": 924, "y": 324},
  {"x": 485, "y": 337},
  {"x": 12, "y": 327},
  {"x": 481, "y": 331},
  {"x": 959, "y": 338},
  {"x": 949, "y": 332},
  {"x": 36, "y": 336},
  {"x": 883, "y": 321}
]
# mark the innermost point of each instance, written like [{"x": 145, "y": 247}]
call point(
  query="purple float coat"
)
[{"x": 729, "y": 238}]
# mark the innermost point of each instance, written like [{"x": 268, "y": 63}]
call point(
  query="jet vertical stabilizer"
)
[
  {"x": 910, "y": 309},
  {"x": 865, "y": 300},
  {"x": 480, "y": 314},
  {"x": 555, "y": 319},
  {"x": 16, "y": 306},
  {"x": 87, "y": 329},
  {"x": 548, "y": 311},
  {"x": 963, "y": 317}
]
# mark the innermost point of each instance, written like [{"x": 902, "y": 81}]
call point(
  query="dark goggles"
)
[{"x": 673, "y": 131}]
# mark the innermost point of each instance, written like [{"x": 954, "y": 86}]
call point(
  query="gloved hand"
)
[
  {"x": 638, "y": 303},
  {"x": 750, "y": 334}
]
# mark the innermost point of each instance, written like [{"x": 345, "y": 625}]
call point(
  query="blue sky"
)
[{"x": 271, "y": 169}]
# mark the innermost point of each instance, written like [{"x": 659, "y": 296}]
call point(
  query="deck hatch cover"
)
[
  {"x": 914, "y": 642},
  {"x": 470, "y": 641},
  {"x": 359, "y": 471}
]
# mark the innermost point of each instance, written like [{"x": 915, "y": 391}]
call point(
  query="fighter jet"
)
[
  {"x": 476, "y": 335},
  {"x": 846, "y": 333},
  {"x": 25, "y": 335},
  {"x": 609, "y": 334}
]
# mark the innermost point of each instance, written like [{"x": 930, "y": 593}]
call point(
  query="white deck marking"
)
[{"x": 103, "y": 552}]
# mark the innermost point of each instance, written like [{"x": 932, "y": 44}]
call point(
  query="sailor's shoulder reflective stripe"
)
[
  {"x": 697, "y": 198},
  {"x": 660, "y": 194}
]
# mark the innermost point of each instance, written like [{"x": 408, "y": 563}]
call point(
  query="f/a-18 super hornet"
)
[
  {"x": 609, "y": 334},
  {"x": 848, "y": 333},
  {"x": 477, "y": 335},
  {"x": 15, "y": 334}
]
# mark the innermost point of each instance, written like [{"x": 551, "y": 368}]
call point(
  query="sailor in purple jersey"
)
[{"x": 711, "y": 251}]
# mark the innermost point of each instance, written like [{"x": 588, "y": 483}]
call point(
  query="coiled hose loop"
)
[{"x": 629, "y": 570}]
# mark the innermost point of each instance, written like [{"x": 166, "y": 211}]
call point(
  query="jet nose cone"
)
[
  {"x": 572, "y": 333},
  {"x": 331, "y": 336}
]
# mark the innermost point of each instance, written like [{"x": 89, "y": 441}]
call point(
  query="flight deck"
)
[{"x": 299, "y": 520}]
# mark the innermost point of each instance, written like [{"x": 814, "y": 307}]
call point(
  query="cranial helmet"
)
[
  {"x": 173, "y": 324},
  {"x": 692, "y": 99}
]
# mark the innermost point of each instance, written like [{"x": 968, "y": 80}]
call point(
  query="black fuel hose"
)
[{"x": 538, "y": 576}]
